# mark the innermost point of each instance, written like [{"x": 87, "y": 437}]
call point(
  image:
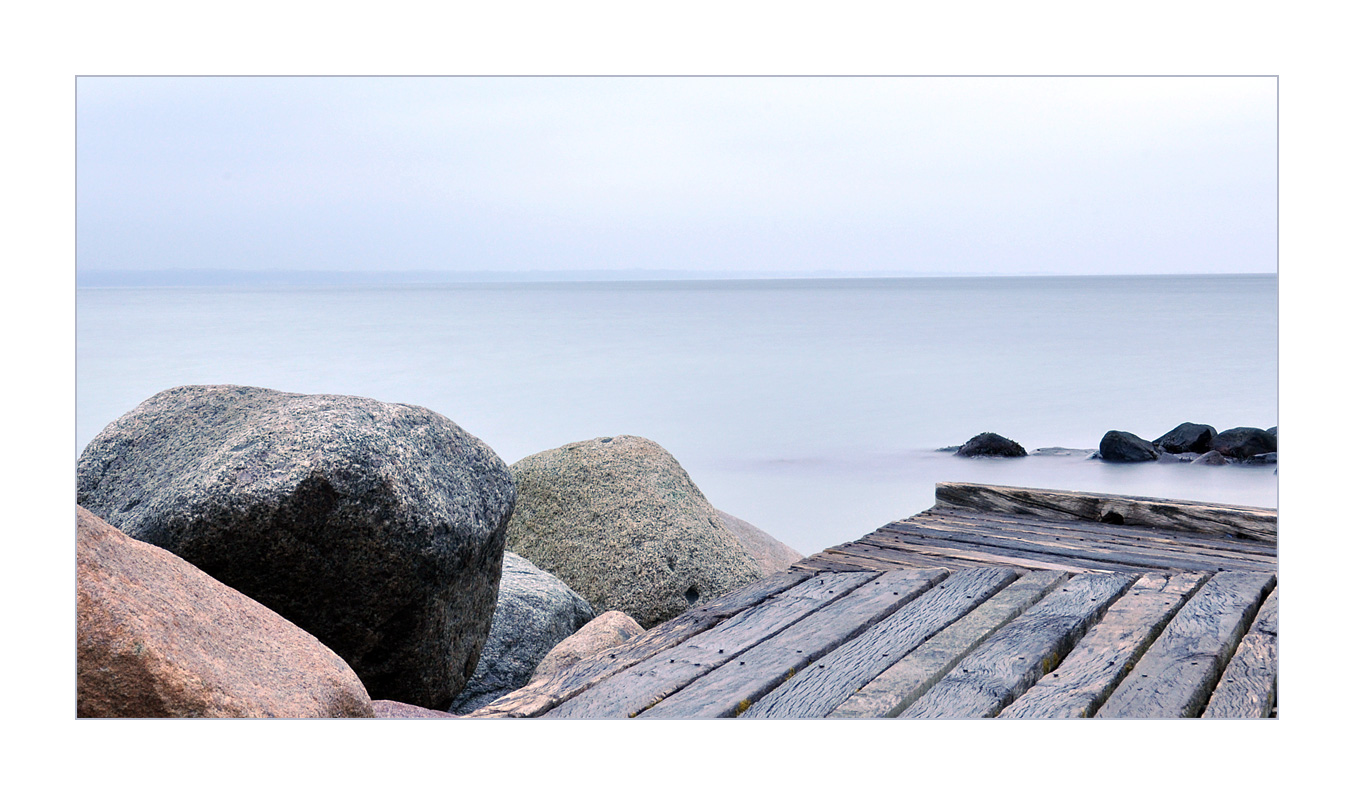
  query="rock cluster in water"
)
[
  {"x": 247, "y": 552},
  {"x": 1187, "y": 442}
]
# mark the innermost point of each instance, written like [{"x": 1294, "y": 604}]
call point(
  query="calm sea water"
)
[{"x": 811, "y": 408}]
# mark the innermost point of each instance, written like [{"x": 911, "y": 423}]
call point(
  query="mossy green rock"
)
[{"x": 620, "y": 522}]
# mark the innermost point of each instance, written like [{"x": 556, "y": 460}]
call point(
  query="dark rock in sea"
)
[
  {"x": 1187, "y": 437},
  {"x": 1211, "y": 458},
  {"x": 1245, "y": 442},
  {"x": 771, "y": 555},
  {"x": 1274, "y": 431},
  {"x": 950, "y": 449},
  {"x": 619, "y": 521},
  {"x": 535, "y": 612},
  {"x": 992, "y": 445},
  {"x": 377, "y": 527},
  {"x": 398, "y": 709},
  {"x": 1124, "y": 447},
  {"x": 1263, "y": 459},
  {"x": 157, "y": 638},
  {"x": 611, "y": 628}
]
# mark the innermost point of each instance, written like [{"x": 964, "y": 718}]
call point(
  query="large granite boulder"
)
[
  {"x": 611, "y": 628},
  {"x": 535, "y": 612},
  {"x": 620, "y": 522},
  {"x": 990, "y": 445},
  {"x": 1245, "y": 442},
  {"x": 377, "y": 527},
  {"x": 157, "y": 638},
  {"x": 1187, "y": 437},
  {"x": 770, "y": 554},
  {"x": 1124, "y": 447}
]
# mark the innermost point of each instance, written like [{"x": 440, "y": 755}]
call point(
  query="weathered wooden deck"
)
[{"x": 997, "y": 602}]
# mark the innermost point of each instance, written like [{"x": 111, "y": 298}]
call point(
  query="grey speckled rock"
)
[
  {"x": 377, "y": 527},
  {"x": 611, "y": 628},
  {"x": 535, "y": 612},
  {"x": 619, "y": 520},
  {"x": 771, "y": 555}
]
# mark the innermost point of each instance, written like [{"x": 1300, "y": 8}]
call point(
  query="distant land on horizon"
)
[{"x": 308, "y": 278}]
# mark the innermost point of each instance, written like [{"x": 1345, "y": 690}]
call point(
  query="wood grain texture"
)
[
  {"x": 1249, "y": 685},
  {"x": 1201, "y": 517},
  {"x": 1083, "y": 681},
  {"x": 1152, "y": 537},
  {"x": 817, "y": 691},
  {"x": 1176, "y": 676},
  {"x": 1085, "y": 544},
  {"x": 547, "y": 693},
  {"x": 627, "y": 693},
  {"x": 1090, "y": 556},
  {"x": 1002, "y": 668},
  {"x": 905, "y": 681},
  {"x": 738, "y": 683},
  {"x": 886, "y": 547}
]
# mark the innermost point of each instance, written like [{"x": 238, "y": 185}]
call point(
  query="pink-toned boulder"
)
[
  {"x": 398, "y": 709},
  {"x": 156, "y": 637},
  {"x": 611, "y": 628}
]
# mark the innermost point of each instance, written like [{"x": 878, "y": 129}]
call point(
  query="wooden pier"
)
[{"x": 996, "y": 602}]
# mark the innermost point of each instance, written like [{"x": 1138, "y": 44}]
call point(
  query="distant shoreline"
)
[{"x": 329, "y": 278}]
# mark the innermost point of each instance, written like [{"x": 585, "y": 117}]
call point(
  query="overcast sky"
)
[{"x": 775, "y": 175}]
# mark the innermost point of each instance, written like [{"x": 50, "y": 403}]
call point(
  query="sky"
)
[{"x": 702, "y": 175}]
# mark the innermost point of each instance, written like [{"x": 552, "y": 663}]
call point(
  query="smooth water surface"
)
[{"x": 811, "y": 408}]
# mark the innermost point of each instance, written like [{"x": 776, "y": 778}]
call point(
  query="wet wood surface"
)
[
  {"x": 995, "y": 602},
  {"x": 901, "y": 684},
  {"x": 736, "y": 684},
  {"x": 1100, "y": 661},
  {"x": 629, "y": 692},
  {"x": 1177, "y": 674},
  {"x": 1249, "y": 685},
  {"x": 1006, "y": 664},
  {"x": 818, "y": 690}
]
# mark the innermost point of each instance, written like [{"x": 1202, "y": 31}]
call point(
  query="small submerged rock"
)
[{"x": 1211, "y": 458}]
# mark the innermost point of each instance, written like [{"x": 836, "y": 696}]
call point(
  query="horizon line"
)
[{"x": 223, "y": 277}]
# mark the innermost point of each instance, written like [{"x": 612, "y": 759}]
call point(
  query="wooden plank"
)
[
  {"x": 897, "y": 688},
  {"x": 815, "y": 692},
  {"x": 1140, "y": 533},
  {"x": 1176, "y": 675},
  {"x": 1098, "y": 551},
  {"x": 628, "y": 692},
  {"x": 545, "y": 694},
  {"x": 1002, "y": 668},
  {"x": 967, "y": 555},
  {"x": 1226, "y": 520},
  {"x": 873, "y": 558},
  {"x": 1083, "y": 681},
  {"x": 1249, "y": 686},
  {"x": 733, "y": 686},
  {"x": 987, "y": 554},
  {"x": 1088, "y": 535}
]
